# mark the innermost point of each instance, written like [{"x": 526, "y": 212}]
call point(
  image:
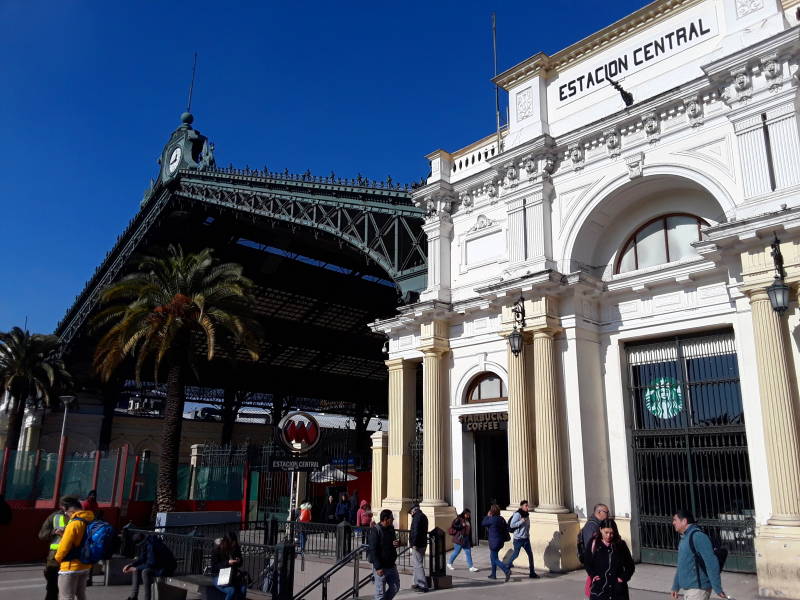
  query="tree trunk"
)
[
  {"x": 167, "y": 489},
  {"x": 16, "y": 415},
  {"x": 228, "y": 416}
]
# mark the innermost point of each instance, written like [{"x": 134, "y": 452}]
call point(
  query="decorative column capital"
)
[
  {"x": 397, "y": 364},
  {"x": 434, "y": 337},
  {"x": 380, "y": 439}
]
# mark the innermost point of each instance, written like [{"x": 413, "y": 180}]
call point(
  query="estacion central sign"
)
[{"x": 639, "y": 56}]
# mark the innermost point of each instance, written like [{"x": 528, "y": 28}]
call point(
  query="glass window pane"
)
[
  {"x": 651, "y": 246},
  {"x": 628, "y": 261},
  {"x": 681, "y": 231},
  {"x": 490, "y": 387}
]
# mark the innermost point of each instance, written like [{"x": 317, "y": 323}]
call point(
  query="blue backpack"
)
[{"x": 98, "y": 542}]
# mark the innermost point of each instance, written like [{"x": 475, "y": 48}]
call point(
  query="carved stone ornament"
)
[
  {"x": 524, "y": 104},
  {"x": 466, "y": 200},
  {"x": 742, "y": 84},
  {"x": 694, "y": 111},
  {"x": 746, "y": 7},
  {"x": 576, "y": 155},
  {"x": 773, "y": 72},
  {"x": 635, "y": 164},
  {"x": 652, "y": 127},
  {"x": 549, "y": 163},
  {"x": 612, "y": 139},
  {"x": 438, "y": 205},
  {"x": 530, "y": 167},
  {"x": 481, "y": 223}
]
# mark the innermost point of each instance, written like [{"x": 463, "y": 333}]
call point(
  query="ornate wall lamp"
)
[
  {"x": 515, "y": 340},
  {"x": 778, "y": 292}
]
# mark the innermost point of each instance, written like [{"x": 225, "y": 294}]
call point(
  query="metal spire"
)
[{"x": 191, "y": 86}]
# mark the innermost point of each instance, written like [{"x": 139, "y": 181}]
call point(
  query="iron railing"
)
[{"x": 690, "y": 446}]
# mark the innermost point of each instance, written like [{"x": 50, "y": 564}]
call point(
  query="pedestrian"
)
[
  {"x": 228, "y": 555},
  {"x": 497, "y": 531},
  {"x": 520, "y": 527},
  {"x": 418, "y": 541},
  {"x": 305, "y": 517},
  {"x": 590, "y": 531},
  {"x": 343, "y": 509},
  {"x": 609, "y": 564},
  {"x": 90, "y": 503},
  {"x": 364, "y": 520},
  {"x": 461, "y": 530},
  {"x": 329, "y": 512},
  {"x": 72, "y": 573},
  {"x": 382, "y": 553},
  {"x": 51, "y": 531},
  {"x": 354, "y": 503},
  {"x": 698, "y": 569},
  {"x": 5, "y": 511},
  {"x": 153, "y": 559}
]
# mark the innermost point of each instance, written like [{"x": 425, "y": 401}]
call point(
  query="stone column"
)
[
  {"x": 521, "y": 455},
  {"x": 402, "y": 413},
  {"x": 380, "y": 443},
  {"x": 554, "y": 528},
  {"x": 548, "y": 433},
  {"x": 781, "y": 436},
  {"x": 435, "y": 459}
]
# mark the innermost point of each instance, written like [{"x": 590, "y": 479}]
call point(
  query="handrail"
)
[{"x": 325, "y": 577}]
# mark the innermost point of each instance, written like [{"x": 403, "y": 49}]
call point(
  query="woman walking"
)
[
  {"x": 228, "y": 555},
  {"x": 497, "y": 531},
  {"x": 609, "y": 564},
  {"x": 461, "y": 530}
]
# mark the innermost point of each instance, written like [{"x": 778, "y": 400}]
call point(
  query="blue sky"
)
[{"x": 90, "y": 91}]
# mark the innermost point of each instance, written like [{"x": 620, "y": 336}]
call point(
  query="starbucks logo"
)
[{"x": 664, "y": 398}]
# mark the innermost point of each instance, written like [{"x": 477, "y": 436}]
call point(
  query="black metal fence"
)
[{"x": 415, "y": 451}]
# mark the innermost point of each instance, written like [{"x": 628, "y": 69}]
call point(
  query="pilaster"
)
[
  {"x": 402, "y": 409},
  {"x": 521, "y": 452},
  {"x": 380, "y": 447},
  {"x": 434, "y": 345}
]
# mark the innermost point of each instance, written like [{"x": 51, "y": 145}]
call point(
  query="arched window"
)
[
  {"x": 661, "y": 240},
  {"x": 486, "y": 387}
]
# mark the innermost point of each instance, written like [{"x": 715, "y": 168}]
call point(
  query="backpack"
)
[
  {"x": 98, "y": 542},
  {"x": 720, "y": 553},
  {"x": 580, "y": 547},
  {"x": 508, "y": 523},
  {"x": 506, "y": 533}
]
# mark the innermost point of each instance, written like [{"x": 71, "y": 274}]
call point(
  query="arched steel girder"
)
[{"x": 381, "y": 223}]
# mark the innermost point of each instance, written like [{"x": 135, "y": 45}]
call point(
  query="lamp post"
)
[
  {"x": 515, "y": 340},
  {"x": 778, "y": 292},
  {"x": 67, "y": 402}
]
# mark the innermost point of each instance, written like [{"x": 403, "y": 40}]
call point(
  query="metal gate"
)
[
  {"x": 415, "y": 450},
  {"x": 690, "y": 446}
]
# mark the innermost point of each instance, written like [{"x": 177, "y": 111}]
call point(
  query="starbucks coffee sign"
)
[
  {"x": 494, "y": 421},
  {"x": 663, "y": 398}
]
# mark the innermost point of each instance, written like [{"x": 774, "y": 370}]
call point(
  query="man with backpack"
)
[
  {"x": 520, "y": 527},
  {"x": 153, "y": 559},
  {"x": 699, "y": 567},
  {"x": 72, "y": 572}
]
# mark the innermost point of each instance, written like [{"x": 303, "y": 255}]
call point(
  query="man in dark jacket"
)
[
  {"x": 418, "y": 540},
  {"x": 153, "y": 559},
  {"x": 592, "y": 527},
  {"x": 382, "y": 552},
  {"x": 343, "y": 509}
]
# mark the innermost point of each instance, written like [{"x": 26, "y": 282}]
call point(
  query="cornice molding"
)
[{"x": 593, "y": 44}]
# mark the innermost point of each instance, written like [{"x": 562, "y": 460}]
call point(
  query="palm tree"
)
[
  {"x": 31, "y": 372},
  {"x": 161, "y": 313}
]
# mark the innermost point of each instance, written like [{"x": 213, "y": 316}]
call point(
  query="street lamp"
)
[
  {"x": 67, "y": 401},
  {"x": 778, "y": 292},
  {"x": 515, "y": 338}
]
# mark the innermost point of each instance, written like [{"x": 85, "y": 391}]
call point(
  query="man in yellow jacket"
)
[{"x": 72, "y": 573}]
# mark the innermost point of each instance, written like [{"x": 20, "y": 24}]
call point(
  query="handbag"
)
[{"x": 224, "y": 577}]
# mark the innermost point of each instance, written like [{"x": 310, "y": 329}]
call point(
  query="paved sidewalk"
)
[{"x": 25, "y": 582}]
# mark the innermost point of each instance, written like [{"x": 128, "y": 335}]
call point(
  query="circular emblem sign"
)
[
  {"x": 664, "y": 398},
  {"x": 299, "y": 432}
]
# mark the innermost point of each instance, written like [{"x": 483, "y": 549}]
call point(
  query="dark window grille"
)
[{"x": 690, "y": 446}]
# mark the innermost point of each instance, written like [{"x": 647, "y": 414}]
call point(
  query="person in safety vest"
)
[
  {"x": 51, "y": 531},
  {"x": 72, "y": 573}
]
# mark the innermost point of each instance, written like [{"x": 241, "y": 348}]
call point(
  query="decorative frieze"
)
[
  {"x": 613, "y": 142},
  {"x": 694, "y": 111},
  {"x": 652, "y": 126},
  {"x": 576, "y": 155}
]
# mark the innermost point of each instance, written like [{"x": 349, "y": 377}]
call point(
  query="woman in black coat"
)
[
  {"x": 228, "y": 554},
  {"x": 609, "y": 563},
  {"x": 497, "y": 532}
]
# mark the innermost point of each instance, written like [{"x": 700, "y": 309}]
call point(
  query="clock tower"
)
[{"x": 187, "y": 148}]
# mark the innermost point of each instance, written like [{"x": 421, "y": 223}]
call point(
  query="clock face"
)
[{"x": 174, "y": 160}]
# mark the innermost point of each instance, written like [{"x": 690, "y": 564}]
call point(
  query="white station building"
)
[{"x": 608, "y": 316}]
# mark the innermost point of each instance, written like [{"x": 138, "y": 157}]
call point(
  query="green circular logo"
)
[{"x": 664, "y": 398}]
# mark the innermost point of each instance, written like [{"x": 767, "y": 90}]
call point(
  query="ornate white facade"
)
[{"x": 544, "y": 210}]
